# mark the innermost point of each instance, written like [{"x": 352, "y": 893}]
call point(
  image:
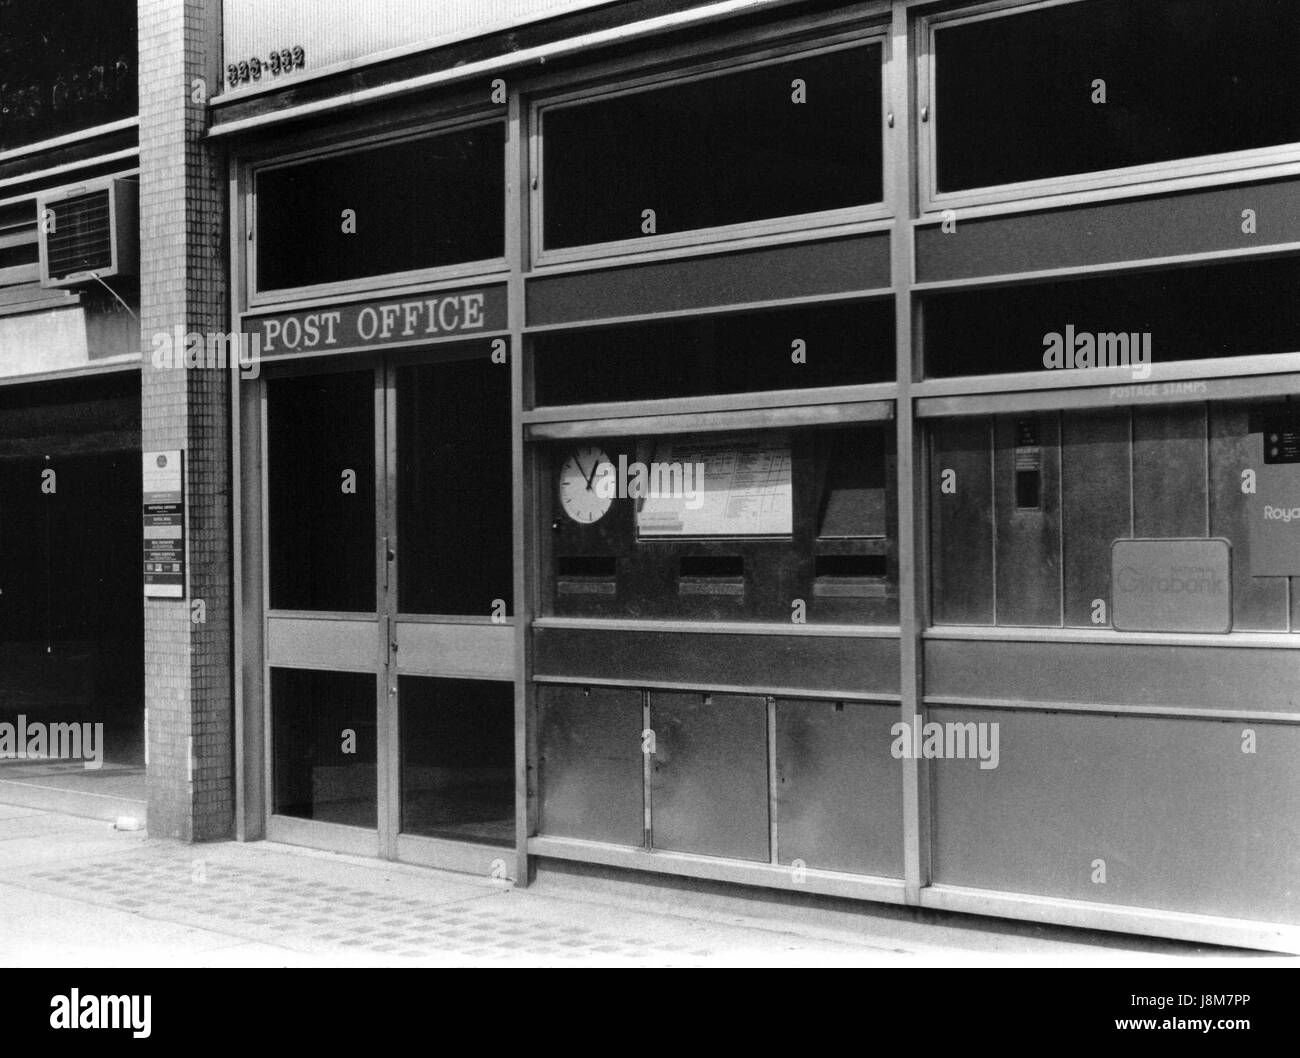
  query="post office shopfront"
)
[{"x": 973, "y": 323}]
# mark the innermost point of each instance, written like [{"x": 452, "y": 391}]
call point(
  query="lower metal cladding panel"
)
[
  {"x": 1152, "y": 812},
  {"x": 590, "y": 770},
  {"x": 709, "y": 775},
  {"x": 839, "y": 790}
]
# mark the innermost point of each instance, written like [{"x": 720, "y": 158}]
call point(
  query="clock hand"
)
[{"x": 592, "y": 476}]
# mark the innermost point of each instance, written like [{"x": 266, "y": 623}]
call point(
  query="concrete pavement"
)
[{"x": 75, "y": 892}]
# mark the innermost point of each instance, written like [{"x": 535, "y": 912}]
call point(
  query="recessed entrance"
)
[{"x": 71, "y": 607}]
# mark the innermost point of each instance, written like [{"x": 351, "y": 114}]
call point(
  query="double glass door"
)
[{"x": 389, "y": 643}]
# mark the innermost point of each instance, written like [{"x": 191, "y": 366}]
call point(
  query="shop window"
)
[
  {"x": 414, "y": 205},
  {"x": 775, "y": 525},
  {"x": 794, "y": 137},
  {"x": 454, "y": 487},
  {"x": 67, "y": 66},
  {"x": 458, "y": 759},
  {"x": 1165, "y": 473},
  {"x": 1150, "y": 318},
  {"x": 323, "y": 736},
  {"x": 321, "y": 553},
  {"x": 1104, "y": 84},
  {"x": 802, "y": 348}
]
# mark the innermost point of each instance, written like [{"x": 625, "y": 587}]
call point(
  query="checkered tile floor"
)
[{"x": 265, "y": 904}]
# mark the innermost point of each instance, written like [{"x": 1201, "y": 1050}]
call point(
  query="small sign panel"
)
[
  {"x": 1274, "y": 513},
  {"x": 1282, "y": 440},
  {"x": 164, "y": 525},
  {"x": 723, "y": 486},
  {"x": 1171, "y": 585}
]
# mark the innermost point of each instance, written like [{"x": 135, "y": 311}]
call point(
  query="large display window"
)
[
  {"x": 1173, "y": 518},
  {"x": 1055, "y": 92},
  {"x": 689, "y": 157},
  {"x": 432, "y": 203},
  {"x": 775, "y": 525}
]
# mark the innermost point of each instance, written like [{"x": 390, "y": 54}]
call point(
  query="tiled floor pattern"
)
[{"x": 264, "y": 904}]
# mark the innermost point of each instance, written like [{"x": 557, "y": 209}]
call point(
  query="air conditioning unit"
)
[{"x": 89, "y": 231}]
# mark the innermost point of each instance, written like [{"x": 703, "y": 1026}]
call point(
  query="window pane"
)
[
  {"x": 65, "y": 66},
  {"x": 845, "y": 344},
  {"x": 1014, "y": 95},
  {"x": 322, "y": 523},
  {"x": 764, "y": 518},
  {"x": 438, "y": 200},
  {"x": 324, "y": 741},
  {"x": 458, "y": 759},
  {"x": 453, "y": 484},
  {"x": 1188, "y": 314},
  {"x": 721, "y": 150}
]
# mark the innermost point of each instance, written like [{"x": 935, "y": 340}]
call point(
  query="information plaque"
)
[{"x": 164, "y": 525}]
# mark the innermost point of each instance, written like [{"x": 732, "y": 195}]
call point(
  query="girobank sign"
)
[
  {"x": 318, "y": 35},
  {"x": 1171, "y": 585}
]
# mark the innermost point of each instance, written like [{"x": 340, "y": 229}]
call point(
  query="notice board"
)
[{"x": 164, "y": 524}]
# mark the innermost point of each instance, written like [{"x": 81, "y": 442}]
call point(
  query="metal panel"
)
[
  {"x": 839, "y": 790},
  {"x": 1110, "y": 232},
  {"x": 796, "y": 271},
  {"x": 336, "y": 31},
  {"x": 590, "y": 765},
  {"x": 858, "y": 667},
  {"x": 1133, "y": 674},
  {"x": 709, "y": 788},
  {"x": 322, "y": 643},
  {"x": 1095, "y": 491},
  {"x": 1169, "y": 464},
  {"x": 1182, "y": 819},
  {"x": 475, "y": 651},
  {"x": 1258, "y": 603},
  {"x": 1028, "y": 539},
  {"x": 961, "y": 533}
]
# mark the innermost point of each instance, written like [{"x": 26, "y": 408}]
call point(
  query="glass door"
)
[{"x": 389, "y": 589}]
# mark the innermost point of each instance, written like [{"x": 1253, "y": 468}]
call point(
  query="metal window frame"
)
[
  {"x": 269, "y": 159},
  {"x": 652, "y": 247},
  {"x": 1228, "y": 166}
]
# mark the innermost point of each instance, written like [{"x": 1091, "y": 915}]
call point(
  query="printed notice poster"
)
[
  {"x": 724, "y": 486},
  {"x": 164, "y": 525}
]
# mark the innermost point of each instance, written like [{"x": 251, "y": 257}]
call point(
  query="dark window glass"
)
[
  {"x": 1014, "y": 95},
  {"x": 1188, "y": 314},
  {"x": 425, "y": 203},
  {"x": 836, "y": 551},
  {"x": 320, "y": 771},
  {"x": 458, "y": 759},
  {"x": 845, "y": 344},
  {"x": 64, "y": 66},
  {"x": 71, "y": 611},
  {"x": 322, "y": 534},
  {"x": 454, "y": 487},
  {"x": 721, "y": 150}
]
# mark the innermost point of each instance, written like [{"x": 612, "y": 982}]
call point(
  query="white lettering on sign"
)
[{"x": 453, "y": 314}]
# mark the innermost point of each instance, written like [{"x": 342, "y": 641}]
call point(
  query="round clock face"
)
[{"x": 586, "y": 485}]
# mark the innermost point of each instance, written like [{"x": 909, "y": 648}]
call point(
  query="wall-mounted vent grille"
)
[{"x": 89, "y": 231}]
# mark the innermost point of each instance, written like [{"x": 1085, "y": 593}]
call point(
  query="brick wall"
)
[{"x": 188, "y": 688}]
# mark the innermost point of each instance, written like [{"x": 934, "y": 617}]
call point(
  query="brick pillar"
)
[{"x": 188, "y": 685}]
